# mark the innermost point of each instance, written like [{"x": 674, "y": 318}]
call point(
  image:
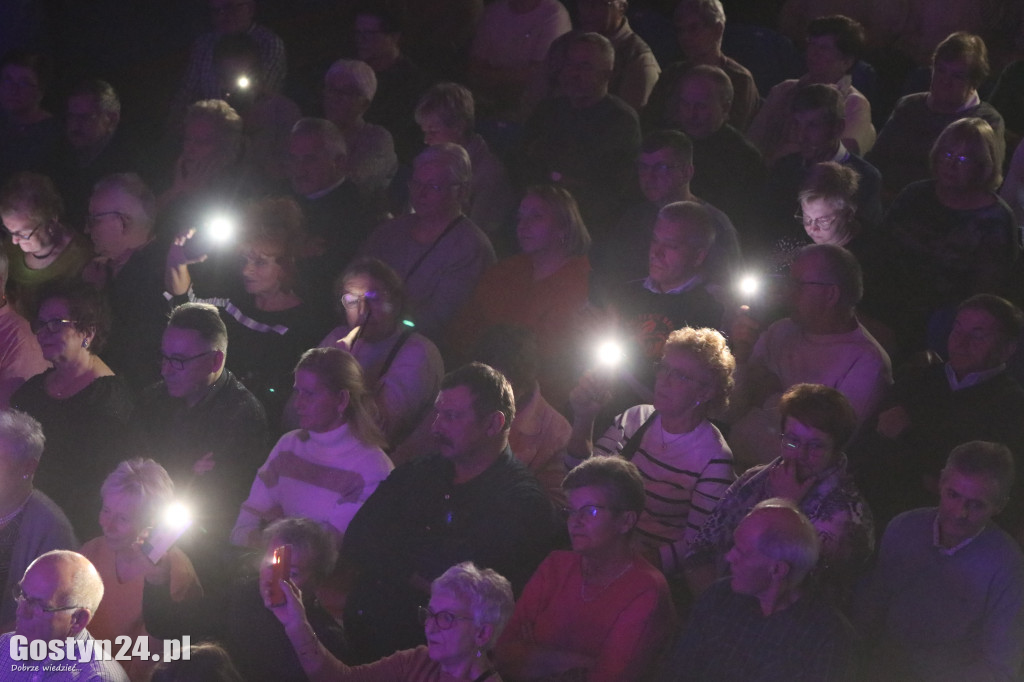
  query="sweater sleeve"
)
[{"x": 257, "y": 506}]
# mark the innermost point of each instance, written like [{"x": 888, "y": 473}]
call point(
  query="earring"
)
[
  {"x": 85, "y": 343},
  {"x": 479, "y": 653}
]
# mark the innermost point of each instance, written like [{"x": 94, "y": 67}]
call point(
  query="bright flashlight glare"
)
[
  {"x": 243, "y": 82},
  {"x": 610, "y": 353},
  {"x": 749, "y": 285},
  {"x": 221, "y": 229},
  {"x": 177, "y": 516}
]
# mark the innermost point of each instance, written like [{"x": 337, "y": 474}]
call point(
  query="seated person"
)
[
  {"x": 20, "y": 355},
  {"x": 207, "y": 661},
  {"x": 466, "y": 614},
  {"x": 767, "y": 622},
  {"x": 199, "y": 421},
  {"x": 235, "y": 614},
  {"x": 810, "y": 472},
  {"x": 135, "y": 496},
  {"x": 30, "y": 523},
  {"x": 821, "y": 342},
  {"x": 439, "y": 252},
  {"x": 601, "y": 610},
  {"x": 685, "y": 462},
  {"x": 901, "y": 153},
  {"x": 834, "y": 44},
  {"x": 946, "y": 599},
  {"x": 29, "y": 134},
  {"x": 402, "y": 368},
  {"x": 636, "y": 70},
  {"x": 328, "y": 468},
  {"x": 447, "y": 113}
]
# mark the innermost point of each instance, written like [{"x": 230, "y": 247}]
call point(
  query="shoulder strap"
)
[
  {"x": 423, "y": 256},
  {"x": 633, "y": 444},
  {"x": 394, "y": 352}
]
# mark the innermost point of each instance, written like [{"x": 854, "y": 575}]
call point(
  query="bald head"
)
[
  {"x": 786, "y": 534},
  {"x": 61, "y": 591}
]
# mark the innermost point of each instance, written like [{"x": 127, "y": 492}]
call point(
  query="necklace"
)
[
  {"x": 4, "y": 520},
  {"x": 599, "y": 587},
  {"x": 670, "y": 441}
]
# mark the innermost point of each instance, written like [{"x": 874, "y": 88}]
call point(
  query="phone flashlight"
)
[{"x": 174, "y": 521}]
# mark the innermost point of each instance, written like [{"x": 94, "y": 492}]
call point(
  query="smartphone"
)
[
  {"x": 173, "y": 524},
  {"x": 280, "y": 569}
]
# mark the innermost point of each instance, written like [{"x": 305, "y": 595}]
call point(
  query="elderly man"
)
[
  {"x": 57, "y": 598},
  {"x": 31, "y": 521},
  {"x": 821, "y": 342},
  {"x": 200, "y": 422},
  {"x": 129, "y": 267},
  {"x": 765, "y": 622},
  {"x": 470, "y": 501},
  {"x": 636, "y": 70},
  {"x": 946, "y": 599},
  {"x": 700, "y": 25}
]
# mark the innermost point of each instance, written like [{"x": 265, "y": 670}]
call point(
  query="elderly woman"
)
[
  {"x": 446, "y": 113},
  {"x": 403, "y": 369},
  {"x": 30, "y": 523},
  {"x": 602, "y": 607},
  {"x": 29, "y": 134},
  {"x": 810, "y": 470},
  {"x": 467, "y": 611},
  {"x": 83, "y": 407},
  {"x": 349, "y": 87},
  {"x": 338, "y": 442},
  {"x": 684, "y": 460},
  {"x": 439, "y": 253},
  {"x": 541, "y": 288},
  {"x": 952, "y": 236},
  {"x": 268, "y": 323},
  {"x": 41, "y": 247},
  {"x": 134, "y": 495},
  {"x": 959, "y": 67}
]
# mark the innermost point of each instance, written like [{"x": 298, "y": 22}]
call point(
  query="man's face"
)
[
  {"x": 697, "y": 40},
  {"x": 433, "y": 191},
  {"x": 110, "y": 210},
  {"x": 200, "y": 364},
  {"x": 231, "y": 16},
  {"x": 460, "y": 433},
  {"x": 372, "y": 42},
  {"x": 825, "y": 62},
  {"x": 663, "y": 178},
  {"x": 811, "y": 289},
  {"x": 751, "y": 570},
  {"x": 20, "y": 91},
  {"x": 310, "y": 166},
  {"x": 45, "y": 585},
  {"x": 599, "y": 16},
  {"x": 585, "y": 74},
  {"x": 976, "y": 343},
  {"x": 700, "y": 112},
  {"x": 817, "y": 137},
  {"x": 966, "y": 504},
  {"x": 673, "y": 259},
  {"x": 88, "y": 126},
  {"x": 950, "y": 85}
]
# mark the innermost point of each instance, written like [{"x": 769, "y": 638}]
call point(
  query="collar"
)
[
  {"x": 972, "y": 101},
  {"x": 950, "y": 551},
  {"x": 972, "y": 379},
  {"x": 327, "y": 190},
  {"x": 212, "y": 390},
  {"x": 691, "y": 283}
]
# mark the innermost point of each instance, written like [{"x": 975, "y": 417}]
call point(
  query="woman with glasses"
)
[
  {"x": 684, "y": 459},
  {"x": 39, "y": 246},
  {"x": 467, "y": 612},
  {"x": 601, "y": 612},
  {"x": 817, "y": 421},
  {"x": 83, "y": 407},
  {"x": 403, "y": 369}
]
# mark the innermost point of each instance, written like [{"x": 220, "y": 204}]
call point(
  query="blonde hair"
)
[
  {"x": 711, "y": 349},
  {"x": 143, "y": 479},
  {"x": 339, "y": 371}
]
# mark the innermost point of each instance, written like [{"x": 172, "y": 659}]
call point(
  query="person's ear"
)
[
  {"x": 79, "y": 620},
  {"x": 687, "y": 171},
  {"x": 495, "y": 423},
  {"x": 344, "y": 397},
  {"x": 218, "y": 361},
  {"x": 780, "y": 571},
  {"x": 483, "y": 635},
  {"x": 628, "y": 521}
]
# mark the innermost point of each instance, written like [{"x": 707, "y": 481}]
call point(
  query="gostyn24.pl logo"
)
[{"x": 124, "y": 648}]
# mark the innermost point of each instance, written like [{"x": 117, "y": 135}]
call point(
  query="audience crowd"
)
[{"x": 353, "y": 286}]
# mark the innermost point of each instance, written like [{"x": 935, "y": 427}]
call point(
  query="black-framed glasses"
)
[
  {"x": 94, "y": 219},
  {"x": 814, "y": 447},
  {"x": 51, "y": 326},
  {"x": 24, "y": 237},
  {"x": 36, "y": 603},
  {"x": 587, "y": 511},
  {"x": 179, "y": 363},
  {"x": 659, "y": 169},
  {"x": 353, "y": 300},
  {"x": 444, "y": 620}
]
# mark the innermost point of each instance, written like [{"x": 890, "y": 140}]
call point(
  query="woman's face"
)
[
  {"x": 344, "y": 102},
  {"x": 433, "y": 191},
  {"x": 824, "y": 222},
  {"x": 202, "y": 142},
  {"x": 367, "y": 302},
  {"x": 262, "y": 275},
  {"x": 595, "y": 526},
  {"x": 460, "y": 642},
  {"x": 301, "y": 573},
  {"x": 537, "y": 228},
  {"x": 950, "y": 85},
  {"x": 958, "y": 166},
  {"x": 30, "y": 233},
  {"x": 436, "y": 131},
  {"x": 121, "y": 519},
  {"x": 319, "y": 408},
  {"x": 20, "y": 92},
  {"x": 811, "y": 450},
  {"x": 56, "y": 332},
  {"x": 681, "y": 383}
]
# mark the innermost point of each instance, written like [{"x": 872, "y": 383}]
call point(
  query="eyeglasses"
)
[
  {"x": 667, "y": 371},
  {"x": 587, "y": 511},
  {"x": 24, "y": 237},
  {"x": 825, "y": 222},
  {"x": 179, "y": 363},
  {"x": 51, "y": 326},
  {"x": 660, "y": 169},
  {"x": 94, "y": 219},
  {"x": 351, "y": 301},
  {"x": 956, "y": 159},
  {"x": 444, "y": 620},
  {"x": 416, "y": 186},
  {"x": 815, "y": 447},
  {"x": 37, "y": 604}
]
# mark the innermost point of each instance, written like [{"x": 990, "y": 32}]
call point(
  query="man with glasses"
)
[
  {"x": 57, "y": 597},
  {"x": 199, "y": 421}
]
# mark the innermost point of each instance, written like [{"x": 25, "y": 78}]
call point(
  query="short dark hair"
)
[
  {"x": 203, "y": 319},
  {"x": 379, "y": 270},
  {"x": 616, "y": 476},
  {"x": 844, "y": 267},
  {"x": 40, "y": 63},
  {"x": 1007, "y": 315},
  {"x": 849, "y": 33},
  {"x": 512, "y": 350},
  {"x": 694, "y": 215},
  {"x": 390, "y": 22},
  {"x": 969, "y": 47},
  {"x": 491, "y": 391},
  {"x": 820, "y": 96},
  {"x": 820, "y": 407},
  {"x": 675, "y": 140},
  {"x": 86, "y": 306},
  {"x": 983, "y": 458},
  {"x": 206, "y": 662},
  {"x": 102, "y": 91}
]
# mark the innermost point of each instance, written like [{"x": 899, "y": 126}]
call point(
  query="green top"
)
[{"x": 23, "y": 282}]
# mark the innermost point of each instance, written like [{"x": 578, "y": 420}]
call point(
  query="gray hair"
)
[
  {"x": 227, "y": 121},
  {"x": 315, "y": 541},
  {"x": 694, "y": 216},
  {"x": 712, "y": 350},
  {"x": 604, "y": 46},
  {"x": 984, "y": 458},
  {"x": 360, "y": 73},
  {"x": 133, "y": 186},
  {"x": 86, "y": 587},
  {"x": 23, "y": 435},
  {"x": 485, "y": 591},
  {"x": 452, "y": 102},
  {"x": 144, "y": 479},
  {"x": 711, "y": 12},
  {"x": 100, "y": 90},
  {"x": 792, "y": 539},
  {"x": 454, "y": 157},
  {"x": 717, "y": 77},
  {"x": 843, "y": 267},
  {"x": 330, "y": 137},
  {"x": 204, "y": 319}
]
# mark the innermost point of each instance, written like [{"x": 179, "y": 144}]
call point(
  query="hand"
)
[
  {"x": 893, "y": 422},
  {"x": 783, "y": 482},
  {"x": 177, "y": 256},
  {"x": 204, "y": 464},
  {"x": 292, "y": 613},
  {"x": 590, "y": 395}
]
